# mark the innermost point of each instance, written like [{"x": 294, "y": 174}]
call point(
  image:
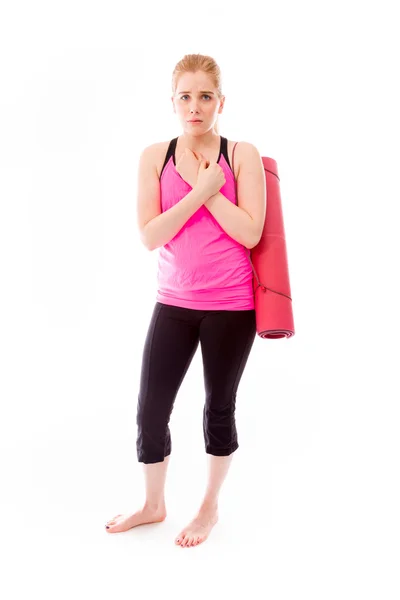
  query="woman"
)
[{"x": 188, "y": 207}]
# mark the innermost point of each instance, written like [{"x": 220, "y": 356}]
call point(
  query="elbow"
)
[
  {"x": 256, "y": 238},
  {"x": 149, "y": 247},
  {"x": 146, "y": 244},
  {"x": 253, "y": 243},
  {"x": 144, "y": 238},
  {"x": 144, "y": 241}
]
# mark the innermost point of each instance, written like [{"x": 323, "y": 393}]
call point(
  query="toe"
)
[
  {"x": 112, "y": 524},
  {"x": 113, "y": 519}
]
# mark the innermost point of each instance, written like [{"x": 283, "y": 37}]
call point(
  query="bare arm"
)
[
  {"x": 160, "y": 230},
  {"x": 157, "y": 228},
  {"x": 235, "y": 221}
]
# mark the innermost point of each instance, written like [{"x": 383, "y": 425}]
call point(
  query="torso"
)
[{"x": 161, "y": 148}]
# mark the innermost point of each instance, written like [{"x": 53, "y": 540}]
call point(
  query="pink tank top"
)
[{"x": 202, "y": 267}]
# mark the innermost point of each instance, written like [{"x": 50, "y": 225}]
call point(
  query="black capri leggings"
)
[{"x": 226, "y": 338}]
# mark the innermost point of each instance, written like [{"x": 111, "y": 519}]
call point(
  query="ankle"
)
[
  {"x": 154, "y": 506},
  {"x": 209, "y": 504}
]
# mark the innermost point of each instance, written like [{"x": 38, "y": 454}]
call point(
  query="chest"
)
[{"x": 163, "y": 147}]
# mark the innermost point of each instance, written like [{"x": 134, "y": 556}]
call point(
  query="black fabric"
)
[
  {"x": 172, "y": 147},
  {"x": 226, "y": 338}
]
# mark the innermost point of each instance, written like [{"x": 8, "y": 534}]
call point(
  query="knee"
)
[{"x": 219, "y": 406}]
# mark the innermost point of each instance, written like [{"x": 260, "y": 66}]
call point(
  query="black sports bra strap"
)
[{"x": 170, "y": 152}]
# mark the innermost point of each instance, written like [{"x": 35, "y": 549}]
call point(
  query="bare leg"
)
[
  {"x": 154, "y": 509},
  {"x": 217, "y": 472},
  {"x": 155, "y": 475},
  {"x": 199, "y": 528}
]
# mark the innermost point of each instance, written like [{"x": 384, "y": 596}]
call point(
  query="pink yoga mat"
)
[{"x": 272, "y": 297}]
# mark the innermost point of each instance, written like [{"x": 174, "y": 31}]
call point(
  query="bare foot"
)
[
  {"x": 199, "y": 529},
  {"x": 140, "y": 517}
]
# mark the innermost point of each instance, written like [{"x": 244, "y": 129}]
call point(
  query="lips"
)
[{"x": 194, "y": 121}]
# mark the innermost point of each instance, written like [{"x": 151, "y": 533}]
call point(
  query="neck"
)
[{"x": 200, "y": 142}]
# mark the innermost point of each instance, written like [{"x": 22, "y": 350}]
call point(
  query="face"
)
[{"x": 200, "y": 97}]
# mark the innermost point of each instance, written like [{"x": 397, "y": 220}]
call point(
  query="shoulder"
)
[
  {"x": 246, "y": 154},
  {"x": 246, "y": 149},
  {"x": 155, "y": 149},
  {"x": 155, "y": 153}
]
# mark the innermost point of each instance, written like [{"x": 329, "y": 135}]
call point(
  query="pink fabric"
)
[{"x": 202, "y": 267}]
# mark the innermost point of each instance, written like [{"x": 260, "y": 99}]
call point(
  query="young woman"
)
[{"x": 188, "y": 206}]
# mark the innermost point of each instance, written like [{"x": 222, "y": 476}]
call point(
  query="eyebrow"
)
[{"x": 202, "y": 92}]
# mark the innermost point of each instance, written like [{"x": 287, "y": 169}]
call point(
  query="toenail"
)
[{"x": 107, "y": 527}]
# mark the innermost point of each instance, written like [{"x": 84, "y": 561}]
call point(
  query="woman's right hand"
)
[{"x": 210, "y": 179}]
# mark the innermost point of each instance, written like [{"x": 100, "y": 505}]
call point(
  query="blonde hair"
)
[{"x": 198, "y": 62}]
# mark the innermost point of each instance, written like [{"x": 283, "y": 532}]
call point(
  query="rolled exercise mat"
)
[{"x": 271, "y": 286}]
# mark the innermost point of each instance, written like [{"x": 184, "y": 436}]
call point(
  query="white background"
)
[{"x": 309, "y": 508}]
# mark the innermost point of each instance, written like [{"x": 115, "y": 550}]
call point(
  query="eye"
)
[{"x": 185, "y": 95}]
